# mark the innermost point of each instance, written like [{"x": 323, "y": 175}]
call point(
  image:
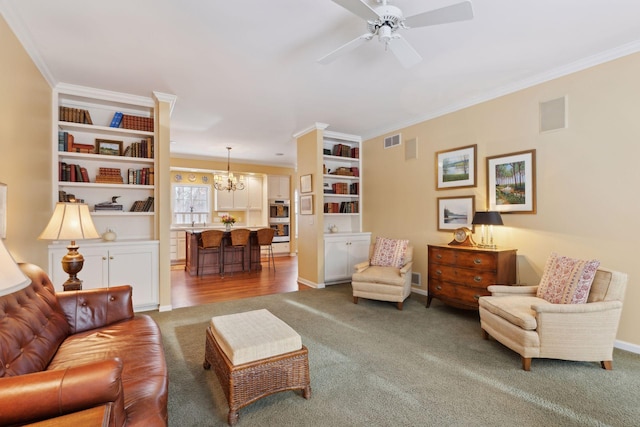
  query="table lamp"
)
[
  {"x": 488, "y": 218},
  {"x": 11, "y": 277},
  {"x": 71, "y": 221}
]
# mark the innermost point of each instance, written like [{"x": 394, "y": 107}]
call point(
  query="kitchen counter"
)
[{"x": 232, "y": 261}]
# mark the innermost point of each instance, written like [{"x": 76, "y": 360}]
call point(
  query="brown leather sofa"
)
[{"x": 79, "y": 358}]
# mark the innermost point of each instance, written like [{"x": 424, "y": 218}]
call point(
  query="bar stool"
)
[
  {"x": 265, "y": 240},
  {"x": 210, "y": 242},
  {"x": 239, "y": 241}
]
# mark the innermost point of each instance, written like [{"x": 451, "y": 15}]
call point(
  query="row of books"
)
[
  {"x": 66, "y": 142},
  {"x": 109, "y": 176},
  {"x": 69, "y": 172},
  {"x": 144, "y": 176},
  {"x": 74, "y": 115},
  {"x": 131, "y": 122},
  {"x": 343, "y": 171},
  {"x": 63, "y": 196},
  {"x": 343, "y": 207},
  {"x": 142, "y": 205},
  {"x": 143, "y": 149},
  {"x": 343, "y": 188},
  {"x": 343, "y": 150}
]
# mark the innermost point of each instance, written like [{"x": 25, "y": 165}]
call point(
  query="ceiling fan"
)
[{"x": 384, "y": 20}]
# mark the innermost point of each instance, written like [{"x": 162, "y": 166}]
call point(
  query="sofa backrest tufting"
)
[{"x": 32, "y": 326}]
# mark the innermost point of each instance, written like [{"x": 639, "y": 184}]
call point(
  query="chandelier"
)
[{"x": 230, "y": 182}]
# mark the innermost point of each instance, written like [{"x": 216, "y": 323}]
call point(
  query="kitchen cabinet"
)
[{"x": 278, "y": 187}]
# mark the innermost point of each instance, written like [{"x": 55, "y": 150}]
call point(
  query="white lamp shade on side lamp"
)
[{"x": 11, "y": 277}]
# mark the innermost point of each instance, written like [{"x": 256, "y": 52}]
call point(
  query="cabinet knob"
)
[
  {"x": 439, "y": 272},
  {"x": 110, "y": 257},
  {"x": 104, "y": 258},
  {"x": 477, "y": 261},
  {"x": 476, "y": 297},
  {"x": 477, "y": 279},
  {"x": 439, "y": 288},
  {"x": 439, "y": 256}
]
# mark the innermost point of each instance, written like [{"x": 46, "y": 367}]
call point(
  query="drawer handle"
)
[
  {"x": 476, "y": 297},
  {"x": 477, "y": 279},
  {"x": 439, "y": 272},
  {"x": 477, "y": 261},
  {"x": 439, "y": 256},
  {"x": 438, "y": 288}
]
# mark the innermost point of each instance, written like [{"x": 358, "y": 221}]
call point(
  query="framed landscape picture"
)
[
  {"x": 456, "y": 168},
  {"x": 511, "y": 182},
  {"x": 109, "y": 147},
  {"x": 455, "y": 212}
]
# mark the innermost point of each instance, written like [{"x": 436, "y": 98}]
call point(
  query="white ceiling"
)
[{"x": 245, "y": 71}]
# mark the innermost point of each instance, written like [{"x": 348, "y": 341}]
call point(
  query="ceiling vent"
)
[{"x": 392, "y": 141}]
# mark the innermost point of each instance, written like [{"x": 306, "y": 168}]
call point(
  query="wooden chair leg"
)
[
  {"x": 355, "y": 300},
  {"x": 399, "y": 305},
  {"x": 607, "y": 364},
  {"x": 485, "y": 334},
  {"x": 526, "y": 363}
]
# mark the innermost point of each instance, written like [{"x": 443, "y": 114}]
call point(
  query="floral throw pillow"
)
[
  {"x": 566, "y": 280},
  {"x": 389, "y": 252}
]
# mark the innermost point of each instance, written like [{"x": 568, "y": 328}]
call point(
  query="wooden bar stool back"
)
[
  {"x": 210, "y": 242},
  {"x": 265, "y": 240}
]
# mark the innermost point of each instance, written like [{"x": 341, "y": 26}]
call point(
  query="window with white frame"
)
[{"x": 191, "y": 204}]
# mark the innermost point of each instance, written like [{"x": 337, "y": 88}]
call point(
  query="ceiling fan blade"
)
[
  {"x": 359, "y": 8},
  {"x": 454, "y": 13},
  {"x": 405, "y": 53},
  {"x": 345, "y": 48}
]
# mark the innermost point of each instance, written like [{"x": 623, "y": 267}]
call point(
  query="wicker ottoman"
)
[{"x": 255, "y": 354}]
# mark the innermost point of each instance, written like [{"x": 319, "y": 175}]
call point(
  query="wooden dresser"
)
[{"x": 459, "y": 276}]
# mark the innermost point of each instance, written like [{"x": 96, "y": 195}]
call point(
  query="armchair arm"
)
[
  {"x": 504, "y": 290},
  {"x": 47, "y": 394},
  {"x": 95, "y": 308},
  {"x": 361, "y": 266},
  {"x": 592, "y": 307},
  {"x": 405, "y": 268}
]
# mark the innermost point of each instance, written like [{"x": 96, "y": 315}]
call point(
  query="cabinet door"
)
[
  {"x": 224, "y": 200},
  {"x": 94, "y": 270},
  {"x": 358, "y": 251},
  {"x": 336, "y": 260},
  {"x": 241, "y": 197},
  {"x": 278, "y": 187},
  {"x": 255, "y": 192},
  {"x": 136, "y": 265},
  {"x": 181, "y": 247}
]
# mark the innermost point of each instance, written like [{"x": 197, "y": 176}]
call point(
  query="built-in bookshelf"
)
[
  {"x": 341, "y": 182},
  {"x": 104, "y": 155}
]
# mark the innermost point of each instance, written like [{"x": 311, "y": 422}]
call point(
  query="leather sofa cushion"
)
[
  {"x": 32, "y": 326},
  {"x": 515, "y": 309}
]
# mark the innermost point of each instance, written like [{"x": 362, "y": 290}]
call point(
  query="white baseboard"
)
[
  {"x": 420, "y": 291},
  {"x": 627, "y": 346},
  {"x": 165, "y": 308},
  {"x": 310, "y": 283}
]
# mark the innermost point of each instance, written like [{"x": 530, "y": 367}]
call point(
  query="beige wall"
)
[
  {"x": 25, "y": 138},
  {"x": 587, "y": 200}
]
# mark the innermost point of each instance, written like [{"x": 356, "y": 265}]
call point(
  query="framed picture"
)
[
  {"x": 305, "y": 184},
  {"x": 3, "y": 211},
  {"x": 455, "y": 212},
  {"x": 108, "y": 147},
  {"x": 456, "y": 168},
  {"x": 511, "y": 182},
  {"x": 306, "y": 205}
]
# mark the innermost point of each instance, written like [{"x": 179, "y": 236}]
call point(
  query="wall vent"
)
[
  {"x": 416, "y": 279},
  {"x": 392, "y": 141},
  {"x": 411, "y": 149},
  {"x": 553, "y": 114}
]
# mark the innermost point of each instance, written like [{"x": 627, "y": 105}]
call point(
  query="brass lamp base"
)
[{"x": 72, "y": 263}]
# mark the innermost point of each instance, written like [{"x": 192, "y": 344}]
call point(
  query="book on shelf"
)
[
  {"x": 137, "y": 123},
  {"x": 74, "y": 115},
  {"x": 117, "y": 120},
  {"x": 109, "y": 176},
  {"x": 63, "y": 196},
  {"x": 142, "y": 205},
  {"x": 142, "y": 149}
]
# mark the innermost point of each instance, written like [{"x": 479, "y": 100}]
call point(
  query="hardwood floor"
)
[{"x": 188, "y": 291}]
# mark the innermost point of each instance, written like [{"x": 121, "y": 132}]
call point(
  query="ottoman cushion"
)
[{"x": 253, "y": 335}]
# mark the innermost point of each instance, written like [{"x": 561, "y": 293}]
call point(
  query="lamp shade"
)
[
  {"x": 11, "y": 277},
  {"x": 487, "y": 218},
  {"x": 70, "y": 221}
]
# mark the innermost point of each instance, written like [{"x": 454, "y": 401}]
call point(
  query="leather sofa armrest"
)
[
  {"x": 503, "y": 290},
  {"x": 361, "y": 266},
  {"x": 95, "y": 308},
  {"x": 48, "y": 394},
  {"x": 405, "y": 268}
]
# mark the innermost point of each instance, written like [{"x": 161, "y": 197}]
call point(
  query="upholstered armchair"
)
[
  {"x": 392, "y": 283},
  {"x": 533, "y": 327}
]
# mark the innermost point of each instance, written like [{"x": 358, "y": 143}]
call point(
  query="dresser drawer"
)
[
  {"x": 441, "y": 256},
  {"x": 449, "y": 273},
  {"x": 476, "y": 260},
  {"x": 455, "y": 294}
]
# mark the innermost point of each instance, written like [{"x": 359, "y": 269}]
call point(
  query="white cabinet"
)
[
  {"x": 113, "y": 264},
  {"x": 342, "y": 251},
  {"x": 278, "y": 187},
  {"x": 248, "y": 198},
  {"x": 341, "y": 182},
  {"x": 178, "y": 246},
  {"x": 255, "y": 193}
]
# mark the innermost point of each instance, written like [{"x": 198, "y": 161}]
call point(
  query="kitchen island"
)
[{"x": 231, "y": 260}]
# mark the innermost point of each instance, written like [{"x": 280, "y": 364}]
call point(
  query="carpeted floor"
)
[{"x": 373, "y": 365}]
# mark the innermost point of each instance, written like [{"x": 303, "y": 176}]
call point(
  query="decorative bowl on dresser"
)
[{"x": 459, "y": 276}]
